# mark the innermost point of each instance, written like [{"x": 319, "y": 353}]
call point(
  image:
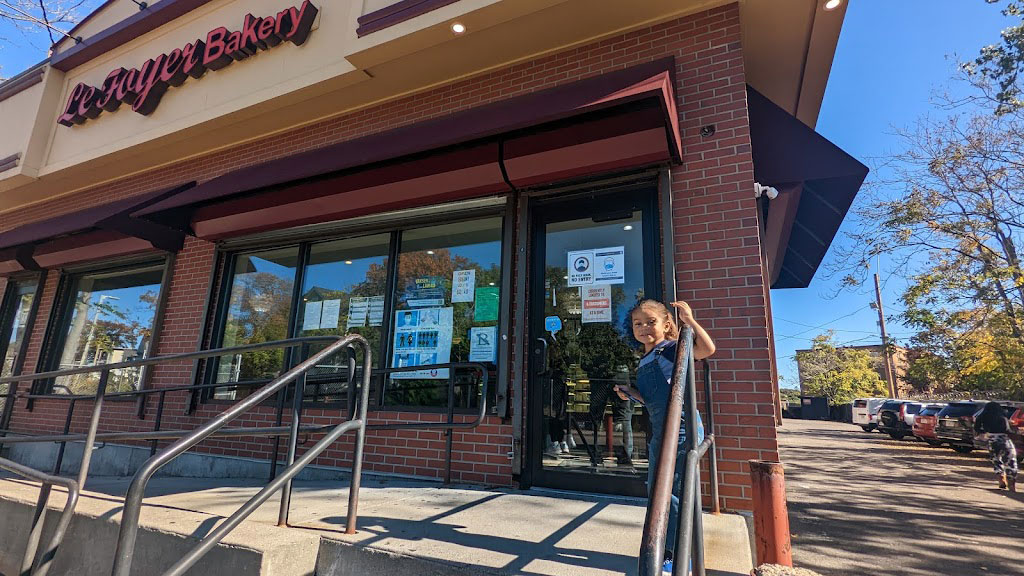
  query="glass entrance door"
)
[{"x": 593, "y": 258}]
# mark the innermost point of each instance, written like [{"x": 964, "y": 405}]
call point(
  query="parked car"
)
[
  {"x": 956, "y": 425},
  {"x": 924, "y": 424},
  {"x": 1017, "y": 431},
  {"x": 896, "y": 418},
  {"x": 865, "y": 412}
]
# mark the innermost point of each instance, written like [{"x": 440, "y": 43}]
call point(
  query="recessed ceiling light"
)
[
  {"x": 627, "y": 227},
  {"x": 565, "y": 277},
  {"x": 832, "y": 4},
  {"x": 348, "y": 261},
  {"x": 491, "y": 283},
  {"x": 431, "y": 252},
  {"x": 458, "y": 28}
]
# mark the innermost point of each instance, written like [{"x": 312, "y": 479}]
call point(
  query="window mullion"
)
[{"x": 389, "y": 308}]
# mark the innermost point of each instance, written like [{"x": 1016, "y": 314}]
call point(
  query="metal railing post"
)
[
  {"x": 63, "y": 445},
  {"x": 293, "y": 439},
  {"x": 449, "y": 433},
  {"x": 357, "y": 455},
  {"x": 713, "y": 458},
  {"x": 94, "y": 424},
  {"x": 157, "y": 421},
  {"x": 652, "y": 543}
]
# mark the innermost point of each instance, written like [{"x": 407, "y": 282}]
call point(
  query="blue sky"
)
[{"x": 893, "y": 57}]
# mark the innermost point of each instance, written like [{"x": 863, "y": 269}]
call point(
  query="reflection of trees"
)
[
  {"x": 258, "y": 312},
  {"x": 112, "y": 335}
]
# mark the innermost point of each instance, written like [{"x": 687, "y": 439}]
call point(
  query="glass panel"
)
[
  {"x": 111, "y": 321},
  {"x": 587, "y": 427},
  {"x": 258, "y": 310},
  {"x": 343, "y": 292},
  {"x": 447, "y": 306},
  {"x": 24, "y": 293}
]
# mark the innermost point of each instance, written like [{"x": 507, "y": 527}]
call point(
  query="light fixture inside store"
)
[
  {"x": 431, "y": 252},
  {"x": 833, "y": 4},
  {"x": 627, "y": 227},
  {"x": 491, "y": 283},
  {"x": 348, "y": 261},
  {"x": 458, "y": 28}
]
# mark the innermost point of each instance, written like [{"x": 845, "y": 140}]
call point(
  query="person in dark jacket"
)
[{"x": 994, "y": 425}]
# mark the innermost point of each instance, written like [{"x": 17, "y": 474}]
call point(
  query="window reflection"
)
[
  {"x": 448, "y": 284},
  {"x": 343, "y": 292},
  {"x": 258, "y": 310},
  {"x": 110, "y": 321},
  {"x": 14, "y": 325}
]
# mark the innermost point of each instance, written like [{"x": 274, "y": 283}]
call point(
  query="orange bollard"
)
[{"x": 771, "y": 516}]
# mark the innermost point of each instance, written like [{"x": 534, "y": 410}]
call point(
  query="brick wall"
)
[{"x": 716, "y": 241}]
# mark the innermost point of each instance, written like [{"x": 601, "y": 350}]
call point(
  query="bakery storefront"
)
[{"x": 199, "y": 175}]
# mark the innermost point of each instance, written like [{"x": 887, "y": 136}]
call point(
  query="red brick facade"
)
[{"x": 718, "y": 255}]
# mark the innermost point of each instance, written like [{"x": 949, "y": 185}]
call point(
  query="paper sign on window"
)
[
  {"x": 597, "y": 266},
  {"x": 597, "y": 303},
  {"x": 311, "y": 317},
  {"x": 422, "y": 336},
  {"x": 483, "y": 343},
  {"x": 463, "y": 283}
]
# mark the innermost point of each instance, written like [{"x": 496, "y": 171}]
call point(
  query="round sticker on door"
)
[{"x": 582, "y": 264}]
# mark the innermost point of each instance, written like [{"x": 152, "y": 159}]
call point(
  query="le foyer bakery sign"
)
[{"x": 143, "y": 87}]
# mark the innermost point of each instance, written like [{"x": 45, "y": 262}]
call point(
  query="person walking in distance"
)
[
  {"x": 995, "y": 426},
  {"x": 656, "y": 331}
]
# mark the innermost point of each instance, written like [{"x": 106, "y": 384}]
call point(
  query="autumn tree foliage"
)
[{"x": 838, "y": 374}]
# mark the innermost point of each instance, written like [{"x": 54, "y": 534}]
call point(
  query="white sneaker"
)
[
  {"x": 572, "y": 442},
  {"x": 565, "y": 447},
  {"x": 552, "y": 450}
]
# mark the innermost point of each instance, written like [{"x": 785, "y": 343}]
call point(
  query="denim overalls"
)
[{"x": 653, "y": 379}]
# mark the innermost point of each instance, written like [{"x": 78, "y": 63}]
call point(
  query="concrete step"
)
[{"x": 406, "y": 527}]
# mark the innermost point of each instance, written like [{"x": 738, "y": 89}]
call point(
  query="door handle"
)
[{"x": 540, "y": 353}]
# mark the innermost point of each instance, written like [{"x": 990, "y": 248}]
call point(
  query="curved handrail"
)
[
  {"x": 128, "y": 532},
  {"x": 33, "y": 563}
]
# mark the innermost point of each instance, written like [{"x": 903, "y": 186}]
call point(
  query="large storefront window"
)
[
  {"x": 109, "y": 320},
  {"x": 258, "y": 310},
  {"x": 447, "y": 306},
  {"x": 343, "y": 291},
  {"x": 437, "y": 303},
  {"x": 13, "y": 321}
]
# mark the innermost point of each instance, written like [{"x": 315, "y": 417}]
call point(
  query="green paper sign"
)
[{"x": 486, "y": 308}]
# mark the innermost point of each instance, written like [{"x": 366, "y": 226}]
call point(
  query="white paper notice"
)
[
  {"x": 610, "y": 265},
  {"x": 311, "y": 318},
  {"x": 483, "y": 344},
  {"x": 331, "y": 312},
  {"x": 597, "y": 303},
  {"x": 375, "y": 310},
  {"x": 581, "y": 267},
  {"x": 357, "y": 311},
  {"x": 463, "y": 285},
  {"x": 597, "y": 266}
]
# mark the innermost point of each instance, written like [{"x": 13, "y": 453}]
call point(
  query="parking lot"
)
[{"x": 862, "y": 503}]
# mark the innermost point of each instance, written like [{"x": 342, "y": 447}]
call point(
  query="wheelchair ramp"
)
[{"x": 406, "y": 527}]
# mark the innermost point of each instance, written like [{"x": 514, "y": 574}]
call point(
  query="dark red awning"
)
[
  {"x": 620, "y": 119},
  {"x": 817, "y": 182},
  {"x": 75, "y": 233}
]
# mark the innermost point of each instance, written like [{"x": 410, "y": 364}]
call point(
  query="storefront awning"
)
[
  {"x": 616, "y": 120},
  {"x": 96, "y": 232},
  {"x": 817, "y": 182}
]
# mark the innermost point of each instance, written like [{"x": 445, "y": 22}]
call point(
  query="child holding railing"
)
[{"x": 657, "y": 332}]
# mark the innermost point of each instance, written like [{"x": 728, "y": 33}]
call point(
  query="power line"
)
[
  {"x": 35, "y": 20},
  {"x": 811, "y": 328}
]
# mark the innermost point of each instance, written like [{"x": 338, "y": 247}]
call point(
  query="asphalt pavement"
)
[{"x": 862, "y": 503}]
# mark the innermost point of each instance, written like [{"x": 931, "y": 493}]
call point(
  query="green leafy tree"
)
[
  {"x": 997, "y": 68},
  {"x": 838, "y": 374}
]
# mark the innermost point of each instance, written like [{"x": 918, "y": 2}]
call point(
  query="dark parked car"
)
[
  {"x": 896, "y": 418},
  {"x": 956, "y": 425},
  {"x": 924, "y": 424},
  {"x": 1017, "y": 431}
]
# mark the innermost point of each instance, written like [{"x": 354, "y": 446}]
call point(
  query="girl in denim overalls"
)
[{"x": 654, "y": 328}]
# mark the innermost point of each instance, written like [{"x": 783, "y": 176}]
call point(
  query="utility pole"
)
[{"x": 890, "y": 375}]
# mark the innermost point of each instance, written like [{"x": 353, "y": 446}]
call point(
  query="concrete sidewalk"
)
[{"x": 469, "y": 529}]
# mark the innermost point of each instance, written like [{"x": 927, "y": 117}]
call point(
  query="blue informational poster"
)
[{"x": 422, "y": 336}]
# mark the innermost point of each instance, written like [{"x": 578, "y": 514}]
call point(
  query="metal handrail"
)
[
  {"x": 689, "y": 529},
  {"x": 37, "y": 562},
  {"x": 215, "y": 427},
  {"x": 128, "y": 532}
]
